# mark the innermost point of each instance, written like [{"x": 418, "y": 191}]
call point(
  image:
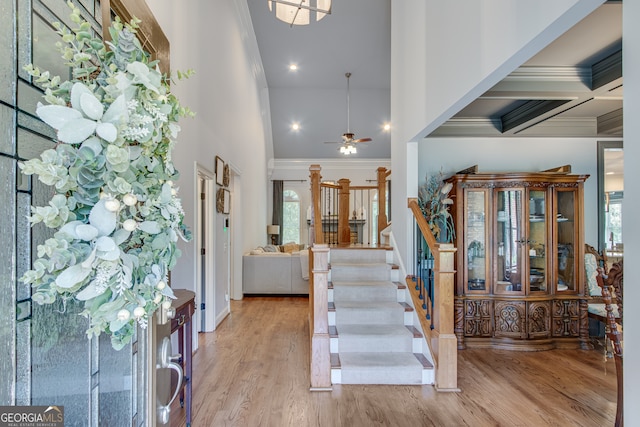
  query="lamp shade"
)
[{"x": 273, "y": 229}]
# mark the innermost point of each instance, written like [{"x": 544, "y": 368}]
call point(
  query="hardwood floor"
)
[{"x": 253, "y": 371}]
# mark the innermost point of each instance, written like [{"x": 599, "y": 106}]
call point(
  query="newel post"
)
[
  {"x": 382, "y": 197},
  {"x": 316, "y": 234},
  {"x": 443, "y": 299},
  {"x": 320, "y": 350},
  {"x": 344, "y": 231}
]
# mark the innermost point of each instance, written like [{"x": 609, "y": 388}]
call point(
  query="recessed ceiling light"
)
[
  {"x": 293, "y": 67},
  {"x": 295, "y": 126},
  {"x": 386, "y": 126}
]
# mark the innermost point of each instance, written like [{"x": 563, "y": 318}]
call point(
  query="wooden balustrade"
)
[
  {"x": 332, "y": 210},
  {"x": 441, "y": 339}
]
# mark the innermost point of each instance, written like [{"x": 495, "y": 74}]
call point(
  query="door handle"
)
[{"x": 167, "y": 361}]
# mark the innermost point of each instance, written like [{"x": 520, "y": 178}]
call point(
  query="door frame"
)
[{"x": 205, "y": 234}]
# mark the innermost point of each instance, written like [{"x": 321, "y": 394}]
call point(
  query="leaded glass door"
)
[{"x": 46, "y": 358}]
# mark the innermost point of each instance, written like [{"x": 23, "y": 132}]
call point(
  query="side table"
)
[{"x": 185, "y": 307}]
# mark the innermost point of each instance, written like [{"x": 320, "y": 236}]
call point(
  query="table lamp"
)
[{"x": 273, "y": 231}]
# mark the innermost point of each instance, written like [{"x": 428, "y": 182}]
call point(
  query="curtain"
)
[{"x": 278, "y": 203}]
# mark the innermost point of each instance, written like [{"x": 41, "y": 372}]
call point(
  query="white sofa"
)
[{"x": 275, "y": 273}]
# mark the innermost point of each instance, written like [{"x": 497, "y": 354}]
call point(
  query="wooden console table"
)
[{"x": 185, "y": 307}]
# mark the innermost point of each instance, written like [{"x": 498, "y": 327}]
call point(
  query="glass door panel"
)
[
  {"x": 566, "y": 238},
  {"x": 509, "y": 241},
  {"x": 537, "y": 241},
  {"x": 476, "y": 235}
]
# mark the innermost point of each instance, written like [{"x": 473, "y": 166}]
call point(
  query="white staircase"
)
[{"x": 373, "y": 340}]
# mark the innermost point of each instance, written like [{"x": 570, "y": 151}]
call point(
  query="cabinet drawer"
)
[{"x": 183, "y": 315}]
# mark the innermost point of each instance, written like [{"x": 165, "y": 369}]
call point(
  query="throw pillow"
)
[{"x": 290, "y": 247}]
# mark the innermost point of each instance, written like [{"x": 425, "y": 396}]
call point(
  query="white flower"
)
[
  {"x": 130, "y": 224},
  {"x": 138, "y": 312},
  {"x": 76, "y": 124},
  {"x": 124, "y": 314},
  {"x": 112, "y": 205},
  {"x": 129, "y": 199}
]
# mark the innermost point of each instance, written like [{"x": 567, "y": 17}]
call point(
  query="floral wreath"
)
[{"x": 115, "y": 207}]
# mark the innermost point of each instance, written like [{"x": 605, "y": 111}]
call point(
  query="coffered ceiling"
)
[{"x": 573, "y": 88}]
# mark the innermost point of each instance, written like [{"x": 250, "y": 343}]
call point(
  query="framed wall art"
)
[
  {"x": 227, "y": 202},
  {"x": 219, "y": 171},
  {"x": 225, "y": 176},
  {"x": 219, "y": 200}
]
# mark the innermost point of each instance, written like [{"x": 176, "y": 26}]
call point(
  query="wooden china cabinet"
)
[{"x": 520, "y": 260}]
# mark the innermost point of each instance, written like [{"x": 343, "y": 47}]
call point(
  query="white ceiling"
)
[{"x": 356, "y": 38}]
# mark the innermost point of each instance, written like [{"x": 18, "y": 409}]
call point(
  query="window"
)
[
  {"x": 291, "y": 217},
  {"x": 611, "y": 192}
]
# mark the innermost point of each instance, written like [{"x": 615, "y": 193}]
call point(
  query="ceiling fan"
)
[{"x": 348, "y": 138}]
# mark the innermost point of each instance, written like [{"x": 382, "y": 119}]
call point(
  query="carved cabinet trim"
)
[
  {"x": 566, "y": 318},
  {"x": 510, "y": 319},
  {"x": 477, "y": 318},
  {"x": 539, "y": 319}
]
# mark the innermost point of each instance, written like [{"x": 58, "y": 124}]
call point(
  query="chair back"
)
[
  {"x": 614, "y": 280},
  {"x": 592, "y": 261}
]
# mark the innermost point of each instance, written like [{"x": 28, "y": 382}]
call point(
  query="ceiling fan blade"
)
[
  {"x": 362, "y": 140},
  {"x": 333, "y": 142}
]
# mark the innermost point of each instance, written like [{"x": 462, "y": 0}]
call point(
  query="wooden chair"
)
[
  {"x": 614, "y": 281},
  {"x": 594, "y": 264}
]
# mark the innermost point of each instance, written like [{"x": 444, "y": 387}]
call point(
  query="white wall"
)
[
  {"x": 631, "y": 206},
  {"x": 518, "y": 155},
  {"x": 446, "y": 54},
  {"x": 213, "y": 38}
]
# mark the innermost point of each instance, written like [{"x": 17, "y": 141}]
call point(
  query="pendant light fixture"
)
[{"x": 300, "y": 12}]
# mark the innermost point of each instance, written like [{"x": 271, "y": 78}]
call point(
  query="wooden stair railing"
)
[
  {"x": 320, "y": 362},
  {"x": 440, "y": 330}
]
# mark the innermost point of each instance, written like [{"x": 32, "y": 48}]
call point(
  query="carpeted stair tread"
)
[
  {"x": 358, "y": 255},
  {"x": 375, "y": 312},
  {"x": 374, "y": 338},
  {"x": 360, "y": 272},
  {"x": 380, "y": 368},
  {"x": 364, "y": 290}
]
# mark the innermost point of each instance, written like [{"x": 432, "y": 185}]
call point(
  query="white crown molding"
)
[
  {"x": 350, "y": 163},
  {"x": 560, "y": 127},
  {"x": 550, "y": 73}
]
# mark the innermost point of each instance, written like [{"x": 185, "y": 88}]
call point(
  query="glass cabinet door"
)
[
  {"x": 537, "y": 237},
  {"x": 565, "y": 274},
  {"x": 475, "y": 233},
  {"x": 509, "y": 242}
]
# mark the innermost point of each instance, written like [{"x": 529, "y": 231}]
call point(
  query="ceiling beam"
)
[
  {"x": 610, "y": 123},
  {"x": 606, "y": 70},
  {"x": 529, "y": 111}
]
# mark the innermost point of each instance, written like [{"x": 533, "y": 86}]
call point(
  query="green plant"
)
[
  {"x": 434, "y": 202},
  {"x": 115, "y": 205}
]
